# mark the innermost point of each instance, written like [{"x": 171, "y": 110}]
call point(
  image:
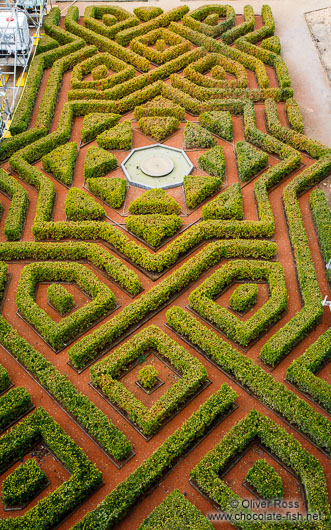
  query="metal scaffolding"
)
[{"x": 20, "y": 28}]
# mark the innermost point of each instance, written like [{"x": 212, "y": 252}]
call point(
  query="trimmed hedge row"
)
[
  {"x": 227, "y": 205},
  {"x": 84, "y": 479},
  {"x": 60, "y": 298},
  {"x": 144, "y": 45},
  {"x": 177, "y": 508},
  {"x": 155, "y": 201},
  {"x": 61, "y": 162},
  {"x": 118, "y": 137},
  {"x": 99, "y": 65},
  {"x": 96, "y": 423},
  {"x": 213, "y": 162},
  {"x": 88, "y": 347},
  {"x": 197, "y": 136},
  {"x": 243, "y": 332},
  {"x": 101, "y": 258},
  {"x": 196, "y": 72},
  {"x": 153, "y": 228},
  {"x": 262, "y": 384},
  {"x": 106, "y": 373},
  {"x": 163, "y": 20},
  {"x": 108, "y": 20},
  {"x": 194, "y": 19},
  {"x": 118, "y": 503},
  {"x": 4, "y": 379},
  {"x": 23, "y": 484},
  {"x": 12, "y": 405},
  {"x": 159, "y": 106},
  {"x": 197, "y": 188},
  {"x": 147, "y": 376},
  {"x": 284, "y": 446},
  {"x": 158, "y": 127},
  {"x": 250, "y": 161},
  {"x": 57, "y": 334},
  {"x": 98, "y": 162},
  {"x": 111, "y": 190},
  {"x": 322, "y": 220},
  {"x": 241, "y": 29},
  {"x": 218, "y": 122},
  {"x": 294, "y": 115},
  {"x": 147, "y": 13},
  {"x": 80, "y": 206},
  {"x": 18, "y": 207},
  {"x": 265, "y": 480},
  {"x": 302, "y": 371},
  {"x": 96, "y": 123}
]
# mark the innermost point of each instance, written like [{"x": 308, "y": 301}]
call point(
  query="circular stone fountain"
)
[{"x": 156, "y": 166}]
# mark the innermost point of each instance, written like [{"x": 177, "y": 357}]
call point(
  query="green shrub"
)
[
  {"x": 265, "y": 480},
  {"x": 197, "y": 136},
  {"x": 218, "y": 122},
  {"x": 244, "y": 297},
  {"x": 146, "y": 45},
  {"x": 84, "y": 479},
  {"x": 147, "y": 13},
  {"x": 61, "y": 162},
  {"x": 45, "y": 44},
  {"x": 159, "y": 106},
  {"x": 147, "y": 376},
  {"x": 176, "y": 507},
  {"x": 4, "y": 379},
  {"x": 322, "y": 220},
  {"x": 90, "y": 417},
  {"x": 263, "y": 385},
  {"x": 111, "y": 190},
  {"x": 60, "y": 298},
  {"x": 58, "y": 334},
  {"x": 198, "y": 188},
  {"x": 154, "y": 201},
  {"x": 213, "y": 162},
  {"x": 98, "y": 162},
  {"x": 227, "y": 205},
  {"x": 119, "y": 137},
  {"x": 106, "y": 373},
  {"x": 153, "y": 228},
  {"x": 272, "y": 44},
  {"x": 96, "y": 123},
  {"x": 158, "y": 127},
  {"x": 284, "y": 446},
  {"x": 294, "y": 115},
  {"x": 23, "y": 484},
  {"x": 196, "y": 19},
  {"x": 80, "y": 206},
  {"x": 250, "y": 160},
  {"x": 99, "y": 72},
  {"x": 118, "y": 503},
  {"x": 243, "y": 332},
  {"x": 16, "y": 215},
  {"x": 13, "y": 405},
  {"x": 100, "y": 63}
]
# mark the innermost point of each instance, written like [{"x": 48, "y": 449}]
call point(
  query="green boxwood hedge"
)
[
  {"x": 265, "y": 480},
  {"x": 60, "y": 298},
  {"x": 12, "y": 405},
  {"x": 23, "y": 484}
]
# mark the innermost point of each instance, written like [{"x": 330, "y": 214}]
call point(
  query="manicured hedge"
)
[
  {"x": 12, "y": 405},
  {"x": 176, "y": 508},
  {"x": 217, "y": 65},
  {"x": 84, "y": 479},
  {"x": 147, "y": 13},
  {"x": 101, "y": 63},
  {"x": 111, "y": 190},
  {"x": 61, "y": 162},
  {"x": 147, "y": 376},
  {"x": 88, "y": 347},
  {"x": 155, "y": 201},
  {"x": 244, "y": 297},
  {"x": 72, "y": 251},
  {"x": 147, "y": 45},
  {"x": 243, "y": 332},
  {"x": 213, "y": 162},
  {"x": 294, "y": 115},
  {"x": 96, "y": 423},
  {"x": 218, "y": 122},
  {"x": 153, "y": 228},
  {"x": 23, "y": 484},
  {"x": 302, "y": 371},
  {"x": 98, "y": 162},
  {"x": 227, "y": 205},
  {"x": 80, "y": 206},
  {"x": 197, "y": 136},
  {"x": 322, "y": 219},
  {"x": 107, "y": 372},
  {"x": 158, "y": 127},
  {"x": 159, "y": 106},
  {"x": 58, "y": 334},
  {"x": 60, "y": 298},
  {"x": 119, "y": 137},
  {"x": 199, "y": 187},
  {"x": 265, "y": 480},
  {"x": 207, "y": 472},
  {"x": 108, "y": 19},
  {"x": 97, "y": 122},
  {"x": 99, "y": 72},
  {"x": 262, "y": 384},
  {"x": 195, "y": 19},
  {"x": 18, "y": 207},
  {"x": 250, "y": 160},
  {"x": 4, "y": 379},
  {"x": 118, "y": 503}
]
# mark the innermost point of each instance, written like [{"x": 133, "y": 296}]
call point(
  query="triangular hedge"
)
[
  {"x": 218, "y": 122},
  {"x": 147, "y": 13},
  {"x": 197, "y": 136},
  {"x": 158, "y": 128},
  {"x": 154, "y": 201},
  {"x": 111, "y": 190},
  {"x": 61, "y": 162},
  {"x": 80, "y": 206},
  {"x": 213, "y": 162},
  {"x": 250, "y": 160},
  {"x": 198, "y": 188},
  {"x": 119, "y": 137},
  {"x": 227, "y": 205},
  {"x": 96, "y": 123},
  {"x": 98, "y": 162},
  {"x": 159, "y": 106},
  {"x": 153, "y": 228}
]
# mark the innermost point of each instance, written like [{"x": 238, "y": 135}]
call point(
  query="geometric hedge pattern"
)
[{"x": 233, "y": 386}]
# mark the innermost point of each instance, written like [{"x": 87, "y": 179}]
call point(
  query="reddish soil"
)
[{"x": 178, "y": 478}]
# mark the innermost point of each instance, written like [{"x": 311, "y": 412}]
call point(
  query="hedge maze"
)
[{"x": 140, "y": 326}]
